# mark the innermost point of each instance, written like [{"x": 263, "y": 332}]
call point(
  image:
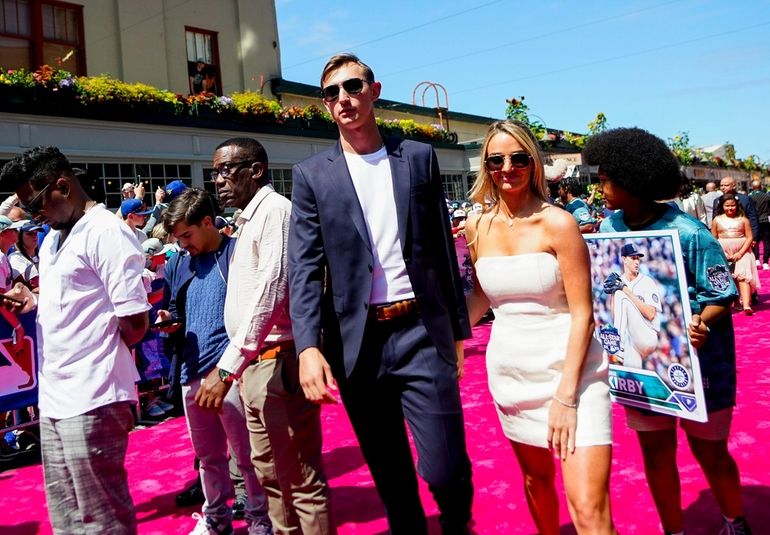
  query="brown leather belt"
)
[
  {"x": 391, "y": 311},
  {"x": 272, "y": 351}
]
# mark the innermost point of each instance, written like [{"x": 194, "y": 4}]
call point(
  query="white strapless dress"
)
[{"x": 527, "y": 347}]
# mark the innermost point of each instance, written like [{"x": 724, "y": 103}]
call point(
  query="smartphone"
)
[
  {"x": 166, "y": 323},
  {"x": 11, "y": 299}
]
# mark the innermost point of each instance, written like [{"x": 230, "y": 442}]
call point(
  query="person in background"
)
[
  {"x": 547, "y": 374},
  {"x": 728, "y": 185},
  {"x": 24, "y": 259},
  {"x": 637, "y": 169},
  {"x": 762, "y": 202},
  {"x": 196, "y": 298},
  {"x": 733, "y": 230},
  {"x": 87, "y": 319},
  {"x": 569, "y": 194},
  {"x": 134, "y": 215},
  {"x": 9, "y": 233},
  {"x": 163, "y": 196},
  {"x": 692, "y": 203},
  {"x": 712, "y": 194},
  {"x": 284, "y": 426}
]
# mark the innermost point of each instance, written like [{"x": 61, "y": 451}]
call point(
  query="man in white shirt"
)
[
  {"x": 92, "y": 307},
  {"x": 285, "y": 427}
]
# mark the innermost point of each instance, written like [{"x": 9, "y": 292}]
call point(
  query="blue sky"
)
[{"x": 669, "y": 66}]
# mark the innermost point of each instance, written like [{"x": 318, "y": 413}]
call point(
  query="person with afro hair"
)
[{"x": 636, "y": 169}]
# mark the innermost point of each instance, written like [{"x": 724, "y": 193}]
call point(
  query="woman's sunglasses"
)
[
  {"x": 352, "y": 86},
  {"x": 519, "y": 160}
]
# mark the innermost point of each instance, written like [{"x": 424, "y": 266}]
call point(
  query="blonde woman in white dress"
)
[{"x": 546, "y": 372}]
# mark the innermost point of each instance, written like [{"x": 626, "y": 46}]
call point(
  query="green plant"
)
[
  {"x": 680, "y": 146},
  {"x": 249, "y": 102},
  {"x": 17, "y": 78},
  {"x": 598, "y": 124}
]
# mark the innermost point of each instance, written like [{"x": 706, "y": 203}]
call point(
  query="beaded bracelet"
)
[{"x": 568, "y": 405}]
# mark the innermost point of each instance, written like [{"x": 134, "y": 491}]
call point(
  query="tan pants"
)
[{"x": 285, "y": 432}]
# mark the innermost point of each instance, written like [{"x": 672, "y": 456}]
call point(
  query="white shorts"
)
[{"x": 716, "y": 428}]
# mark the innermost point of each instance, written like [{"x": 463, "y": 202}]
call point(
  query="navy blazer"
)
[{"x": 330, "y": 256}]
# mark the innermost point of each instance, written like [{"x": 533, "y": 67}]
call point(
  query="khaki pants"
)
[{"x": 285, "y": 434}]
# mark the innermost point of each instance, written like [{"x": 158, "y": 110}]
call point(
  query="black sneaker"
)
[
  {"x": 239, "y": 507},
  {"x": 739, "y": 526},
  {"x": 192, "y": 495}
]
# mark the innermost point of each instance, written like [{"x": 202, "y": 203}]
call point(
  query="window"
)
[
  {"x": 203, "y": 61},
  {"x": 453, "y": 187},
  {"x": 153, "y": 176},
  {"x": 281, "y": 180},
  {"x": 42, "y": 32}
]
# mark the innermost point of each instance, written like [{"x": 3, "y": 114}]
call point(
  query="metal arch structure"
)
[{"x": 441, "y": 111}]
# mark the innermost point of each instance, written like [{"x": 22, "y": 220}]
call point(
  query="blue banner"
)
[{"x": 18, "y": 363}]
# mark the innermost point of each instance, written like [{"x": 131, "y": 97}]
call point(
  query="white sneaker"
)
[
  {"x": 759, "y": 263},
  {"x": 257, "y": 528},
  {"x": 765, "y": 266},
  {"x": 209, "y": 526}
]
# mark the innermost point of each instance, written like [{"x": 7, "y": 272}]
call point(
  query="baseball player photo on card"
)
[{"x": 642, "y": 309}]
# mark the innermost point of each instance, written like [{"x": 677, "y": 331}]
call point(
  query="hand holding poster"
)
[{"x": 642, "y": 310}]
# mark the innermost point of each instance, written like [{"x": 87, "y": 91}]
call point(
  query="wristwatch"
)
[{"x": 225, "y": 376}]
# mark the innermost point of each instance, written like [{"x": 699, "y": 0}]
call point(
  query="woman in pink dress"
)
[{"x": 731, "y": 227}]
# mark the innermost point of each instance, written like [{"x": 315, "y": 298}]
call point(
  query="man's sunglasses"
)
[
  {"x": 352, "y": 86},
  {"x": 519, "y": 160},
  {"x": 34, "y": 206}
]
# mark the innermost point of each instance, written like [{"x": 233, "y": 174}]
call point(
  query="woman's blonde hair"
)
[{"x": 484, "y": 189}]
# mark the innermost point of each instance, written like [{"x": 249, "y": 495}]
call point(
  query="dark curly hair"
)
[
  {"x": 36, "y": 166},
  {"x": 637, "y": 161}
]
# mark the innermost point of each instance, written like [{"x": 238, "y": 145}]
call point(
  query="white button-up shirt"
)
[
  {"x": 257, "y": 303},
  {"x": 93, "y": 279}
]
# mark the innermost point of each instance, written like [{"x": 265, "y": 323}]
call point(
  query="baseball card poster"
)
[{"x": 641, "y": 310}]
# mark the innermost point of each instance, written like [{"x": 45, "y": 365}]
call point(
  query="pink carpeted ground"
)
[{"x": 159, "y": 464}]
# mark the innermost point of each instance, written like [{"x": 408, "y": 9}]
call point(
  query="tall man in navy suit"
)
[{"x": 376, "y": 302}]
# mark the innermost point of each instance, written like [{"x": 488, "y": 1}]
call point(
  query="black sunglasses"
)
[
  {"x": 34, "y": 206},
  {"x": 226, "y": 169},
  {"x": 519, "y": 160},
  {"x": 352, "y": 86}
]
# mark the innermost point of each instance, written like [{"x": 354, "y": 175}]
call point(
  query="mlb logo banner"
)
[
  {"x": 642, "y": 310},
  {"x": 18, "y": 363}
]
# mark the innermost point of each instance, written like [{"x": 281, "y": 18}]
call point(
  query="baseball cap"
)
[
  {"x": 173, "y": 189},
  {"x": 29, "y": 226},
  {"x": 133, "y": 206},
  {"x": 127, "y": 186},
  {"x": 6, "y": 223},
  {"x": 155, "y": 247},
  {"x": 459, "y": 213},
  {"x": 630, "y": 249}
]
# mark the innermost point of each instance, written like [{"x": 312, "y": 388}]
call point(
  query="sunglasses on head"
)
[
  {"x": 352, "y": 86},
  {"x": 519, "y": 160}
]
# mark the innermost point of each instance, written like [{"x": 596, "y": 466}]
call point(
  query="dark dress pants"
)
[{"x": 400, "y": 374}]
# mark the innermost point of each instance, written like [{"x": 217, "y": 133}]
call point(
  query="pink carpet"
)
[{"x": 159, "y": 464}]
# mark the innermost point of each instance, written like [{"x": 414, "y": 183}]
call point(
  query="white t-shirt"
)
[
  {"x": 91, "y": 281},
  {"x": 373, "y": 182},
  {"x": 22, "y": 266},
  {"x": 648, "y": 292},
  {"x": 6, "y": 279}
]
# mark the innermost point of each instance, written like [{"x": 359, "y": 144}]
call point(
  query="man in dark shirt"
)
[{"x": 762, "y": 202}]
